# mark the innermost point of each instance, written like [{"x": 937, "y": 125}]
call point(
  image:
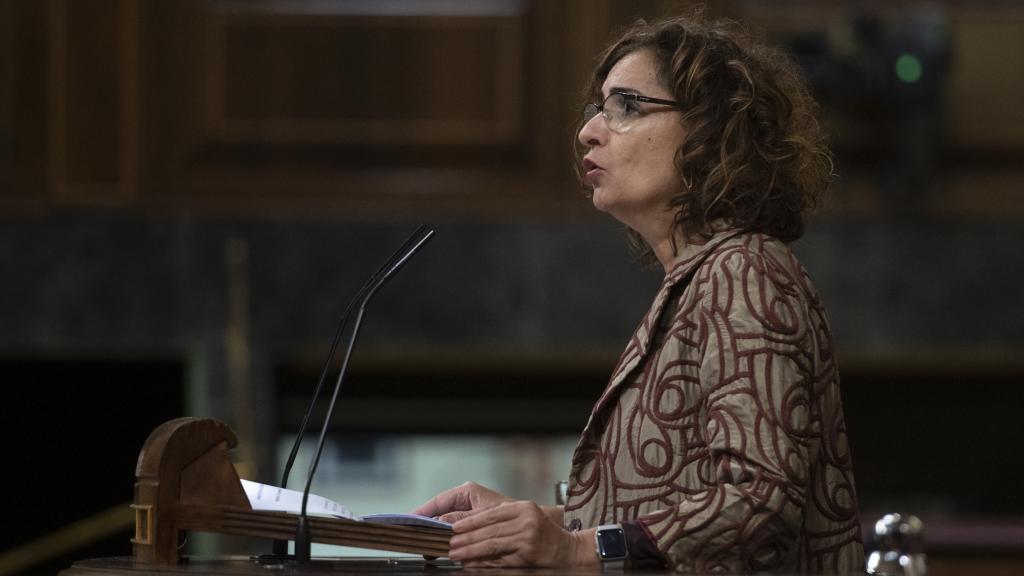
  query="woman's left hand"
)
[{"x": 519, "y": 533}]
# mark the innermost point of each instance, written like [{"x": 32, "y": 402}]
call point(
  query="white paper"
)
[
  {"x": 408, "y": 520},
  {"x": 272, "y": 498}
]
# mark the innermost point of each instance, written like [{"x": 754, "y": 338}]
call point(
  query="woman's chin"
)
[{"x": 601, "y": 200}]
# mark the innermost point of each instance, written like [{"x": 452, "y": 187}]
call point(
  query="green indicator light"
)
[{"x": 908, "y": 68}]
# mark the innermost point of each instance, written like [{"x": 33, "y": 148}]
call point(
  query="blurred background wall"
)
[{"x": 191, "y": 190}]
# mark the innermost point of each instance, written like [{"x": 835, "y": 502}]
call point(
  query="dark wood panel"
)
[
  {"x": 91, "y": 43},
  {"x": 292, "y": 109},
  {"x": 8, "y": 47},
  {"x": 287, "y": 105},
  {"x": 262, "y": 104},
  {"x": 977, "y": 94},
  {"x": 92, "y": 85},
  {"x": 369, "y": 81},
  {"x": 987, "y": 79},
  {"x": 23, "y": 115}
]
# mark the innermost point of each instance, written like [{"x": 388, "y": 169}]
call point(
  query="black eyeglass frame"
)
[{"x": 599, "y": 108}]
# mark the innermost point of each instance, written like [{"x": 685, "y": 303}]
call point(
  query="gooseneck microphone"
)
[
  {"x": 412, "y": 245},
  {"x": 402, "y": 250},
  {"x": 280, "y": 547}
]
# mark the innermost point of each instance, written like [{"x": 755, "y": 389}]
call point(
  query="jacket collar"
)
[{"x": 685, "y": 263}]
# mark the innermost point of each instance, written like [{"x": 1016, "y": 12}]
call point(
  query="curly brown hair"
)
[{"x": 754, "y": 155}]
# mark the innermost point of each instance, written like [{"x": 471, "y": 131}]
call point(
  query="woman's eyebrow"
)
[{"x": 623, "y": 90}]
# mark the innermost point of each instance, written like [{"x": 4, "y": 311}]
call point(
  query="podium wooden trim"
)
[{"x": 184, "y": 480}]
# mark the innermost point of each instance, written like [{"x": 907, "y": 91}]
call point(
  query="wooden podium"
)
[{"x": 185, "y": 481}]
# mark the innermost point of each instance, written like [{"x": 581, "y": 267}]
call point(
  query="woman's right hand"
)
[{"x": 461, "y": 501}]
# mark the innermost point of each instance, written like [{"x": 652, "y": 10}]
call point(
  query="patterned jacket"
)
[{"x": 720, "y": 438}]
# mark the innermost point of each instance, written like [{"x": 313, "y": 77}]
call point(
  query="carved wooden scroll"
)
[{"x": 185, "y": 481}]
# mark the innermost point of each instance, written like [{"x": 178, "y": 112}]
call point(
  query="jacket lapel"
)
[{"x": 689, "y": 258}]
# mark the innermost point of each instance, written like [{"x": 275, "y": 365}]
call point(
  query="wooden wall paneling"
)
[
  {"x": 23, "y": 159},
  {"x": 8, "y": 51},
  {"x": 566, "y": 38},
  {"x": 93, "y": 101},
  {"x": 987, "y": 78},
  {"x": 270, "y": 105},
  {"x": 169, "y": 80},
  {"x": 392, "y": 81},
  {"x": 274, "y": 108},
  {"x": 982, "y": 129},
  {"x": 130, "y": 63}
]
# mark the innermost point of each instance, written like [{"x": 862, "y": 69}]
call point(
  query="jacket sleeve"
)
[{"x": 756, "y": 369}]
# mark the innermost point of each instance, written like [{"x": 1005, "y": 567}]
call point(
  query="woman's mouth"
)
[{"x": 591, "y": 169}]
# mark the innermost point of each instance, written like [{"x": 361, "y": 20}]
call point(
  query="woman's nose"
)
[{"x": 593, "y": 132}]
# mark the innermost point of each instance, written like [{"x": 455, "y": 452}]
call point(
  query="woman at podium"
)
[{"x": 719, "y": 442}]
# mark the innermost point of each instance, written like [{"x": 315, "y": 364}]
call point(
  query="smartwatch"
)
[{"x": 611, "y": 547}]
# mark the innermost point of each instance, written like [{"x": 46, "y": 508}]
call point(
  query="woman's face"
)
[{"x": 632, "y": 172}]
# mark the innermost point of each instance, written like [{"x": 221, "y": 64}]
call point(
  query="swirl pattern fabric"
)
[{"x": 721, "y": 431}]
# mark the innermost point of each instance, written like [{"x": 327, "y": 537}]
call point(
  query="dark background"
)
[{"x": 190, "y": 191}]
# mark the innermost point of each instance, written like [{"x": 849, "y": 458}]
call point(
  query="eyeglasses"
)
[{"x": 621, "y": 109}]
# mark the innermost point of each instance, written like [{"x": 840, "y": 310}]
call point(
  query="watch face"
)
[{"x": 611, "y": 543}]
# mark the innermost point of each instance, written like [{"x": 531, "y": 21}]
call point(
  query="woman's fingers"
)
[
  {"x": 510, "y": 534},
  {"x": 493, "y": 549},
  {"x": 496, "y": 529},
  {"x": 452, "y": 499},
  {"x": 466, "y": 497},
  {"x": 500, "y": 513},
  {"x": 453, "y": 517}
]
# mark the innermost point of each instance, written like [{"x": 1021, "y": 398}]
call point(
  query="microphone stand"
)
[
  {"x": 302, "y": 536},
  {"x": 280, "y": 547}
]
